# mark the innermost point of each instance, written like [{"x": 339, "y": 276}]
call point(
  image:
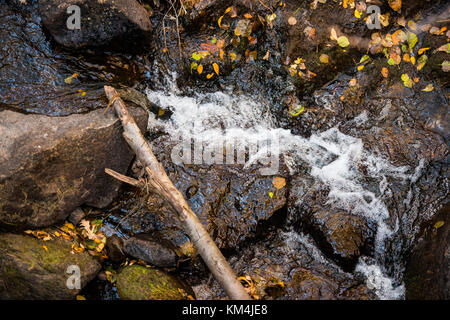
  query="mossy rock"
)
[
  {"x": 147, "y": 283},
  {"x": 28, "y": 270}
]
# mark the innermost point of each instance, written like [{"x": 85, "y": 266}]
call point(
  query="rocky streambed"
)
[{"x": 356, "y": 207}]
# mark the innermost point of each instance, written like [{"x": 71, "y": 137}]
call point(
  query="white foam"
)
[{"x": 378, "y": 281}]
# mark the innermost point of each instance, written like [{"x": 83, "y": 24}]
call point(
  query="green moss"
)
[{"x": 141, "y": 283}]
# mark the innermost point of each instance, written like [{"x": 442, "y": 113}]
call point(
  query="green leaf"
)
[
  {"x": 194, "y": 66},
  {"x": 412, "y": 40},
  {"x": 422, "y": 61},
  {"x": 391, "y": 62},
  {"x": 343, "y": 41},
  {"x": 364, "y": 58}
]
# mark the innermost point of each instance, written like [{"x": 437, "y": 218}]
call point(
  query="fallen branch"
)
[{"x": 205, "y": 246}]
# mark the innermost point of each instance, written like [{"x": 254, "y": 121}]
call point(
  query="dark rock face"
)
[
  {"x": 427, "y": 272},
  {"x": 115, "y": 248},
  {"x": 50, "y": 166},
  {"x": 140, "y": 283},
  {"x": 119, "y": 24},
  {"x": 155, "y": 251},
  {"x": 28, "y": 271}
]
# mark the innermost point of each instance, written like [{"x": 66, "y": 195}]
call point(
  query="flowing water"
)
[{"x": 332, "y": 157}]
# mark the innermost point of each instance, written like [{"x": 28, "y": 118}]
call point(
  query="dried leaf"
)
[
  {"x": 352, "y": 82},
  {"x": 428, "y": 88},
  {"x": 292, "y": 21},
  {"x": 333, "y": 35},
  {"x": 385, "y": 72},
  {"x": 444, "y": 48},
  {"x": 422, "y": 50},
  {"x": 216, "y": 68},
  {"x": 279, "y": 182},
  {"x": 324, "y": 58},
  {"x": 267, "y": 55},
  {"x": 396, "y": 5},
  {"x": 446, "y": 66}
]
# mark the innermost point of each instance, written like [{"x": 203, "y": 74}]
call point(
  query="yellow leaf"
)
[
  {"x": 248, "y": 16},
  {"x": 279, "y": 182},
  {"x": 360, "y": 68},
  {"x": 324, "y": 58},
  {"x": 221, "y": 54},
  {"x": 267, "y": 55},
  {"x": 438, "y": 224},
  {"x": 233, "y": 56},
  {"x": 271, "y": 195},
  {"x": 413, "y": 60},
  {"x": 80, "y": 297},
  {"x": 228, "y": 10},
  {"x": 209, "y": 76},
  {"x": 69, "y": 225},
  {"x": 358, "y": 14},
  {"x": 352, "y": 82},
  {"x": 216, "y": 68},
  {"x": 219, "y": 22},
  {"x": 385, "y": 72},
  {"x": 429, "y": 88},
  {"x": 45, "y": 248},
  {"x": 200, "y": 69}
]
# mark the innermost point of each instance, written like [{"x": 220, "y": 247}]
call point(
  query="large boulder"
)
[
  {"x": 119, "y": 24},
  {"x": 28, "y": 270},
  {"x": 140, "y": 283},
  {"x": 52, "y": 165}
]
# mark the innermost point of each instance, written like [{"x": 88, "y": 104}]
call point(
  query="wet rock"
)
[
  {"x": 232, "y": 202},
  {"x": 51, "y": 166},
  {"x": 76, "y": 216},
  {"x": 155, "y": 251},
  {"x": 141, "y": 283},
  {"x": 115, "y": 248},
  {"x": 120, "y": 24},
  {"x": 342, "y": 236},
  {"x": 28, "y": 271},
  {"x": 306, "y": 285},
  {"x": 427, "y": 271}
]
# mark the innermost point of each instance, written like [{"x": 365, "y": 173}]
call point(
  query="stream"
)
[{"x": 365, "y": 168}]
